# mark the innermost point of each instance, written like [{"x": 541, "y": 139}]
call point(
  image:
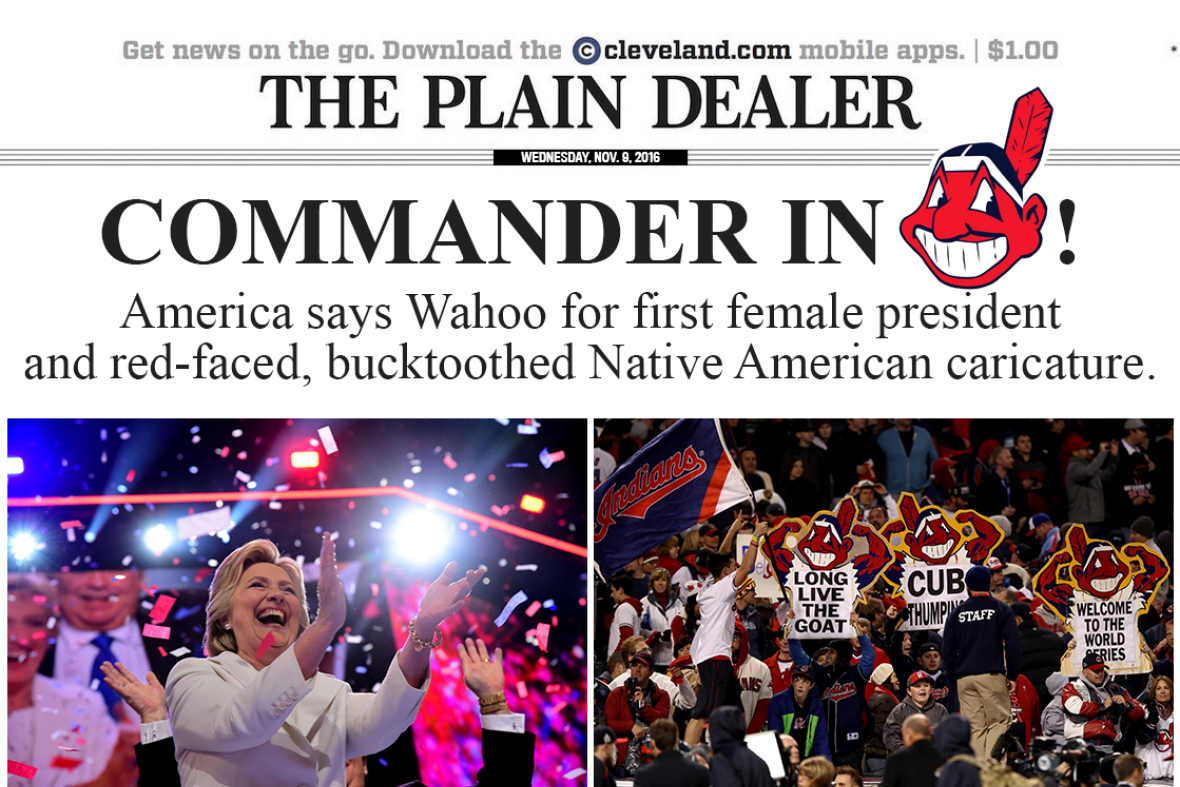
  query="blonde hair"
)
[
  {"x": 665, "y": 549},
  {"x": 692, "y": 542},
  {"x": 660, "y": 573},
  {"x": 631, "y": 646},
  {"x": 1155, "y": 685},
  {"x": 819, "y": 771},
  {"x": 219, "y": 639}
]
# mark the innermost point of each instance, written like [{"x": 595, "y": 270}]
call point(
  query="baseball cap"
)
[
  {"x": 1073, "y": 443},
  {"x": 920, "y": 675},
  {"x": 604, "y": 736},
  {"x": 926, "y": 648},
  {"x": 1022, "y": 609},
  {"x": 863, "y": 483},
  {"x": 1093, "y": 661},
  {"x": 1026, "y": 552},
  {"x": 1035, "y": 521},
  {"x": 806, "y": 671},
  {"x": 709, "y": 530},
  {"x": 651, "y": 557},
  {"x": 962, "y": 490},
  {"x": 995, "y": 564},
  {"x": 645, "y": 657},
  {"x": 979, "y": 579},
  {"x": 1134, "y": 423}
]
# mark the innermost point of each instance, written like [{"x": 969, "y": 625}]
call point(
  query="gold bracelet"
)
[
  {"x": 492, "y": 699},
  {"x": 435, "y": 641}
]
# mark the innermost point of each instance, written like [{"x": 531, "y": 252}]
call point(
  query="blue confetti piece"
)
[
  {"x": 546, "y": 461},
  {"x": 500, "y": 421},
  {"x": 526, "y": 429},
  {"x": 517, "y": 464},
  {"x": 512, "y": 604}
]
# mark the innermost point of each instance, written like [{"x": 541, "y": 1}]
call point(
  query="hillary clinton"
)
[{"x": 257, "y": 711}]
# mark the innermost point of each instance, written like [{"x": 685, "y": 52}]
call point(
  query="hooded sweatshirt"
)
[
  {"x": 803, "y": 724},
  {"x": 734, "y": 765},
  {"x": 844, "y": 696},
  {"x": 953, "y": 737},
  {"x": 906, "y": 708},
  {"x": 755, "y": 680},
  {"x": 1053, "y": 716}
]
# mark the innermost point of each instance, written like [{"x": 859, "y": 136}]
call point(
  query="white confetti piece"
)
[
  {"x": 512, "y": 604},
  {"x": 243, "y": 477},
  {"x": 575, "y": 773},
  {"x": 180, "y": 652},
  {"x": 202, "y": 524},
  {"x": 527, "y": 567},
  {"x": 328, "y": 440}
]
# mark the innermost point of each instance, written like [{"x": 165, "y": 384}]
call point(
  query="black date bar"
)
[{"x": 590, "y": 158}]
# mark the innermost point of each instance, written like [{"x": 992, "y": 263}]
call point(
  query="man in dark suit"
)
[
  {"x": 103, "y": 620},
  {"x": 918, "y": 760},
  {"x": 670, "y": 768}
]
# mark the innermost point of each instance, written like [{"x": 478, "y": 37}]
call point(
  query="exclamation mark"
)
[{"x": 1067, "y": 222}]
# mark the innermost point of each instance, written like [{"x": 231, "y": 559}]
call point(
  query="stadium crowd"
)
[{"x": 682, "y": 642}]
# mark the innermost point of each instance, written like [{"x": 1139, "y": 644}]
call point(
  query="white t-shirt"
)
[
  {"x": 604, "y": 465},
  {"x": 62, "y": 719},
  {"x": 715, "y": 634},
  {"x": 625, "y": 615},
  {"x": 754, "y": 677}
]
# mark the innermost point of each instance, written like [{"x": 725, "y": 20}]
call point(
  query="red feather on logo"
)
[{"x": 1027, "y": 133}]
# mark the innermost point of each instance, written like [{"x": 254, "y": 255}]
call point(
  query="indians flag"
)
[{"x": 680, "y": 478}]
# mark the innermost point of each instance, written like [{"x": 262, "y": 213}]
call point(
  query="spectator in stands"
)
[
  {"x": 843, "y": 686},
  {"x": 941, "y": 689},
  {"x": 683, "y": 694},
  {"x": 980, "y": 646},
  {"x": 1026, "y": 715},
  {"x": 918, "y": 699},
  {"x": 1053, "y": 715},
  {"x": 1041, "y": 651},
  {"x": 799, "y": 494},
  {"x": 633, "y": 707},
  {"x": 869, "y": 495},
  {"x": 1128, "y": 769},
  {"x": 998, "y": 580},
  {"x": 1031, "y": 468},
  {"x": 669, "y": 555},
  {"x": 1164, "y": 649},
  {"x": 1047, "y": 534},
  {"x": 661, "y": 618},
  {"x": 854, "y": 455},
  {"x": 1017, "y": 569},
  {"x": 815, "y": 465},
  {"x": 606, "y": 754},
  {"x": 847, "y": 776},
  {"x": 751, "y": 620},
  {"x": 627, "y": 611},
  {"x": 669, "y": 768},
  {"x": 884, "y": 690},
  {"x": 915, "y": 764},
  {"x": 1088, "y": 702},
  {"x": 734, "y": 765},
  {"x": 748, "y": 461},
  {"x": 1154, "y": 734},
  {"x": 953, "y": 739},
  {"x": 754, "y": 679},
  {"x": 1084, "y": 476},
  {"x": 816, "y": 772},
  {"x": 780, "y": 663},
  {"x": 1003, "y": 493},
  {"x": 909, "y": 457},
  {"x": 800, "y": 714}
]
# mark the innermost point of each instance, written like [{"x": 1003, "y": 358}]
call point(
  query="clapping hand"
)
[
  {"x": 146, "y": 699},
  {"x": 444, "y": 598},
  {"x": 333, "y": 606}
]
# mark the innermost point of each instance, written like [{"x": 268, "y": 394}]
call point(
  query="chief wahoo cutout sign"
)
[
  {"x": 974, "y": 222},
  {"x": 933, "y": 550},
  {"x": 1100, "y": 592},
  {"x": 824, "y": 566}
]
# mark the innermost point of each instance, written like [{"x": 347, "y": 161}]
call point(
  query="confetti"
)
[
  {"x": 328, "y": 440},
  {"x": 267, "y": 642},
  {"x": 575, "y": 773},
  {"x": 469, "y": 477},
  {"x": 203, "y": 524},
  {"x": 20, "y": 769},
  {"x": 543, "y": 636},
  {"x": 512, "y": 604},
  {"x": 71, "y": 524},
  {"x": 70, "y": 536},
  {"x": 522, "y": 690},
  {"x": 450, "y": 462},
  {"x": 500, "y": 421},
  {"x": 527, "y": 567},
  {"x": 156, "y": 632},
  {"x": 162, "y": 608},
  {"x": 525, "y": 429},
  {"x": 179, "y": 652},
  {"x": 532, "y": 610},
  {"x": 243, "y": 477},
  {"x": 66, "y": 763}
]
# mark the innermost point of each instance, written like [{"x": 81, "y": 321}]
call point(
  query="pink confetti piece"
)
[
  {"x": 267, "y": 642},
  {"x": 543, "y": 636},
  {"x": 553, "y": 688},
  {"x": 162, "y": 651},
  {"x": 469, "y": 477},
  {"x": 532, "y": 610},
  {"x": 557, "y": 456},
  {"x": 450, "y": 462},
  {"x": 66, "y": 763},
  {"x": 522, "y": 690},
  {"x": 328, "y": 440},
  {"x": 130, "y": 475},
  {"x": 70, "y": 535},
  {"x": 156, "y": 632},
  {"x": 71, "y": 523},
  {"x": 22, "y": 770},
  {"x": 162, "y": 608}
]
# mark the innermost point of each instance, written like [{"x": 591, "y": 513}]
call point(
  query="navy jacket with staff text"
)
[{"x": 981, "y": 637}]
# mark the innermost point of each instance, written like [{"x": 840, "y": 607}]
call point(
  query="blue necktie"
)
[{"x": 103, "y": 643}]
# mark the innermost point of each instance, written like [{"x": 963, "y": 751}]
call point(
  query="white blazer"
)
[{"x": 236, "y": 726}]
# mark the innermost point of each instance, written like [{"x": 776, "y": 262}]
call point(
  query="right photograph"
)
[{"x": 958, "y": 602}]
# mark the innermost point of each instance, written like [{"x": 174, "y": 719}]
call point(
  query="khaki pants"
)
[{"x": 984, "y": 700}]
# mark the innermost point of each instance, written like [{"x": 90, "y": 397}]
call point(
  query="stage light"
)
[
  {"x": 305, "y": 459},
  {"x": 532, "y": 504},
  {"x": 157, "y": 539},
  {"x": 23, "y": 545},
  {"x": 420, "y": 538},
  {"x": 15, "y": 465}
]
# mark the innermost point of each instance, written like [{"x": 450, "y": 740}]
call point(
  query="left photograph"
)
[{"x": 299, "y": 602}]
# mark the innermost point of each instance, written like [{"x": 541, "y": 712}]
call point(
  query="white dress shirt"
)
[
  {"x": 64, "y": 721},
  {"x": 74, "y": 654}
]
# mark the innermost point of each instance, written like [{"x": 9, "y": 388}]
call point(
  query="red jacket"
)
[
  {"x": 1026, "y": 705},
  {"x": 620, "y": 719},
  {"x": 779, "y": 681}
]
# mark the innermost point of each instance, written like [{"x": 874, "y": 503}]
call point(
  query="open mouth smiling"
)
[
  {"x": 961, "y": 258},
  {"x": 273, "y": 617}
]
